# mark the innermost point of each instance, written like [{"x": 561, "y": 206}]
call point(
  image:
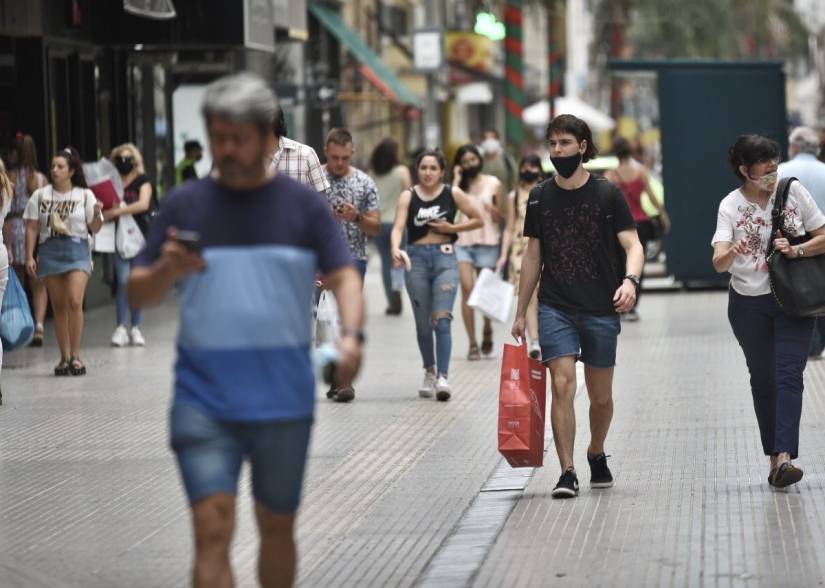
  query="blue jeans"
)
[
  {"x": 122, "y": 268},
  {"x": 432, "y": 284},
  {"x": 384, "y": 245},
  {"x": 776, "y": 351}
]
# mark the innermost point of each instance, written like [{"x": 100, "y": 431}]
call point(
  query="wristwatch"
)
[
  {"x": 357, "y": 334},
  {"x": 800, "y": 252},
  {"x": 634, "y": 278}
]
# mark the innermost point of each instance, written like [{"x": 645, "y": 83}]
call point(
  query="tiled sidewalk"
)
[{"x": 89, "y": 493}]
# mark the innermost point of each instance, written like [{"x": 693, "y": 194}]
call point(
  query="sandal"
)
[
  {"x": 62, "y": 369},
  {"x": 487, "y": 341},
  {"x": 37, "y": 340},
  {"x": 76, "y": 367},
  {"x": 786, "y": 474},
  {"x": 473, "y": 354}
]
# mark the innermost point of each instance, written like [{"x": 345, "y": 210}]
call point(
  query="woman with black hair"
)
[
  {"x": 775, "y": 344},
  {"x": 480, "y": 248},
  {"x": 391, "y": 178},
  {"x": 514, "y": 243},
  {"x": 428, "y": 211},
  {"x": 60, "y": 218}
]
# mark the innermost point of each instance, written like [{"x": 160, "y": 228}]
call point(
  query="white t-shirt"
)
[
  {"x": 76, "y": 210},
  {"x": 741, "y": 219}
]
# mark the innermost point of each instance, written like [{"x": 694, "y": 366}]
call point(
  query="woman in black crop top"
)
[{"x": 428, "y": 211}]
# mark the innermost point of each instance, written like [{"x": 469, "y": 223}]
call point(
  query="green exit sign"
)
[{"x": 489, "y": 26}]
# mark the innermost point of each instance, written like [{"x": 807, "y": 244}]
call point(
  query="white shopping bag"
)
[
  {"x": 129, "y": 239},
  {"x": 492, "y": 296},
  {"x": 104, "y": 240},
  {"x": 327, "y": 321}
]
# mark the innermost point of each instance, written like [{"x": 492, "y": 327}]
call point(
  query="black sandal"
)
[
  {"x": 62, "y": 369},
  {"x": 487, "y": 341},
  {"x": 786, "y": 474},
  {"x": 76, "y": 367}
]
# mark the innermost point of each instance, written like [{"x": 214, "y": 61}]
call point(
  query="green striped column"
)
[
  {"x": 555, "y": 64},
  {"x": 514, "y": 73}
]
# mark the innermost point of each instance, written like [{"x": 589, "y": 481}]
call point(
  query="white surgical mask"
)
[{"x": 491, "y": 146}]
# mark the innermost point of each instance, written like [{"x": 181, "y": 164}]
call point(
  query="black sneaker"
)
[
  {"x": 344, "y": 394},
  {"x": 600, "y": 476},
  {"x": 568, "y": 486},
  {"x": 786, "y": 474}
]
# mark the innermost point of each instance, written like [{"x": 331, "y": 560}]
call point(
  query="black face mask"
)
[
  {"x": 567, "y": 166},
  {"x": 124, "y": 165},
  {"x": 528, "y": 177},
  {"x": 468, "y": 173}
]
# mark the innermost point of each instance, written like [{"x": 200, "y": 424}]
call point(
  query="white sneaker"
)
[
  {"x": 427, "y": 386},
  {"x": 137, "y": 337},
  {"x": 120, "y": 338},
  {"x": 442, "y": 389}
]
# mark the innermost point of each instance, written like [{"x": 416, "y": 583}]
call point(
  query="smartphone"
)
[{"x": 191, "y": 240}]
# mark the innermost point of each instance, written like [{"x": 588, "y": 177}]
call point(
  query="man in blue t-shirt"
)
[{"x": 244, "y": 250}]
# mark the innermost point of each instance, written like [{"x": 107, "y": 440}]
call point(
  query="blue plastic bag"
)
[{"x": 16, "y": 322}]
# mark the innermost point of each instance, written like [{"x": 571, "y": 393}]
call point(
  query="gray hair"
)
[
  {"x": 242, "y": 98},
  {"x": 806, "y": 139}
]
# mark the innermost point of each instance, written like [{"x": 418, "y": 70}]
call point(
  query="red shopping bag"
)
[{"x": 521, "y": 404}]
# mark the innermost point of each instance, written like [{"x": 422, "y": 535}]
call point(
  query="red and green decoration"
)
[
  {"x": 555, "y": 63},
  {"x": 514, "y": 96}
]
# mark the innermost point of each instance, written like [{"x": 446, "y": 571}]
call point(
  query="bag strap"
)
[{"x": 778, "y": 210}]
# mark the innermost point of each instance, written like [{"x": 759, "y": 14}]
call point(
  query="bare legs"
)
[
  {"x": 599, "y": 383},
  {"x": 66, "y": 292}
]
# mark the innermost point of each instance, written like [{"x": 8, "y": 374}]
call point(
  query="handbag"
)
[
  {"x": 128, "y": 239},
  {"x": 798, "y": 285},
  {"x": 16, "y": 322},
  {"x": 492, "y": 296},
  {"x": 521, "y": 404}
]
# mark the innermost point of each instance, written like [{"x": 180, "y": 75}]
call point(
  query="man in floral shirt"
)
[
  {"x": 352, "y": 195},
  {"x": 354, "y": 200}
]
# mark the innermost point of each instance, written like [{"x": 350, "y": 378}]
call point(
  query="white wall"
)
[{"x": 186, "y": 108}]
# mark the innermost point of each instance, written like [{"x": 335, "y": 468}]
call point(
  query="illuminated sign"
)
[{"x": 489, "y": 26}]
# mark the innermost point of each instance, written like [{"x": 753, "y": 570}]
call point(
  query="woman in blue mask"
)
[{"x": 775, "y": 344}]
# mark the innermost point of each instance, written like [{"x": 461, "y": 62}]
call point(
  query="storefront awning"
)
[{"x": 372, "y": 68}]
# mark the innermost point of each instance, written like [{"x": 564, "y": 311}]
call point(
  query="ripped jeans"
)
[{"x": 432, "y": 284}]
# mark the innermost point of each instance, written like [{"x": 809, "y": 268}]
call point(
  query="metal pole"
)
[{"x": 432, "y": 123}]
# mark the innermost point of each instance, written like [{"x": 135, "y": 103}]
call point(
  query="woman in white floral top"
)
[{"x": 775, "y": 344}]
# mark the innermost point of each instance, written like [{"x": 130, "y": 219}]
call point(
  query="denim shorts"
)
[
  {"x": 480, "y": 256},
  {"x": 592, "y": 339},
  {"x": 210, "y": 453}
]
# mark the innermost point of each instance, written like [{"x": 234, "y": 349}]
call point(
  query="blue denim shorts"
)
[
  {"x": 592, "y": 339},
  {"x": 210, "y": 453},
  {"x": 480, "y": 256}
]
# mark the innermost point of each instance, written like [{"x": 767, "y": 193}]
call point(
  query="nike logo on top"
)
[{"x": 428, "y": 215}]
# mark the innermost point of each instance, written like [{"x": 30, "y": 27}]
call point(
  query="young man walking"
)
[
  {"x": 580, "y": 233},
  {"x": 353, "y": 196},
  {"x": 243, "y": 248}
]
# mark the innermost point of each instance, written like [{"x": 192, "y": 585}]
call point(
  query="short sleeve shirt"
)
[
  {"x": 61, "y": 213},
  {"x": 360, "y": 190},
  {"x": 577, "y": 232},
  {"x": 245, "y": 328},
  {"x": 739, "y": 219}
]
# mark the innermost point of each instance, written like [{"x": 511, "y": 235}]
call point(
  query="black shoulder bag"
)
[{"x": 798, "y": 285}]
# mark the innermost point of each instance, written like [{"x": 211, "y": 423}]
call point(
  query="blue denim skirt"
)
[{"x": 59, "y": 255}]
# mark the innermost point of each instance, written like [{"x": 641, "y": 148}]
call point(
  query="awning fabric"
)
[{"x": 372, "y": 68}]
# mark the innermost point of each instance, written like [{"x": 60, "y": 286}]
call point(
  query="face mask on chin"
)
[{"x": 567, "y": 166}]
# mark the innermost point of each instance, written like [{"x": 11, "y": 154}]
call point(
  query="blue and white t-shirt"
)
[{"x": 245, "y": 328}]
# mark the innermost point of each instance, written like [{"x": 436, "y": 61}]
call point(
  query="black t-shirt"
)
[
  {"x": 131, "y": 194},
  {"x": 579, "y": 249}
]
